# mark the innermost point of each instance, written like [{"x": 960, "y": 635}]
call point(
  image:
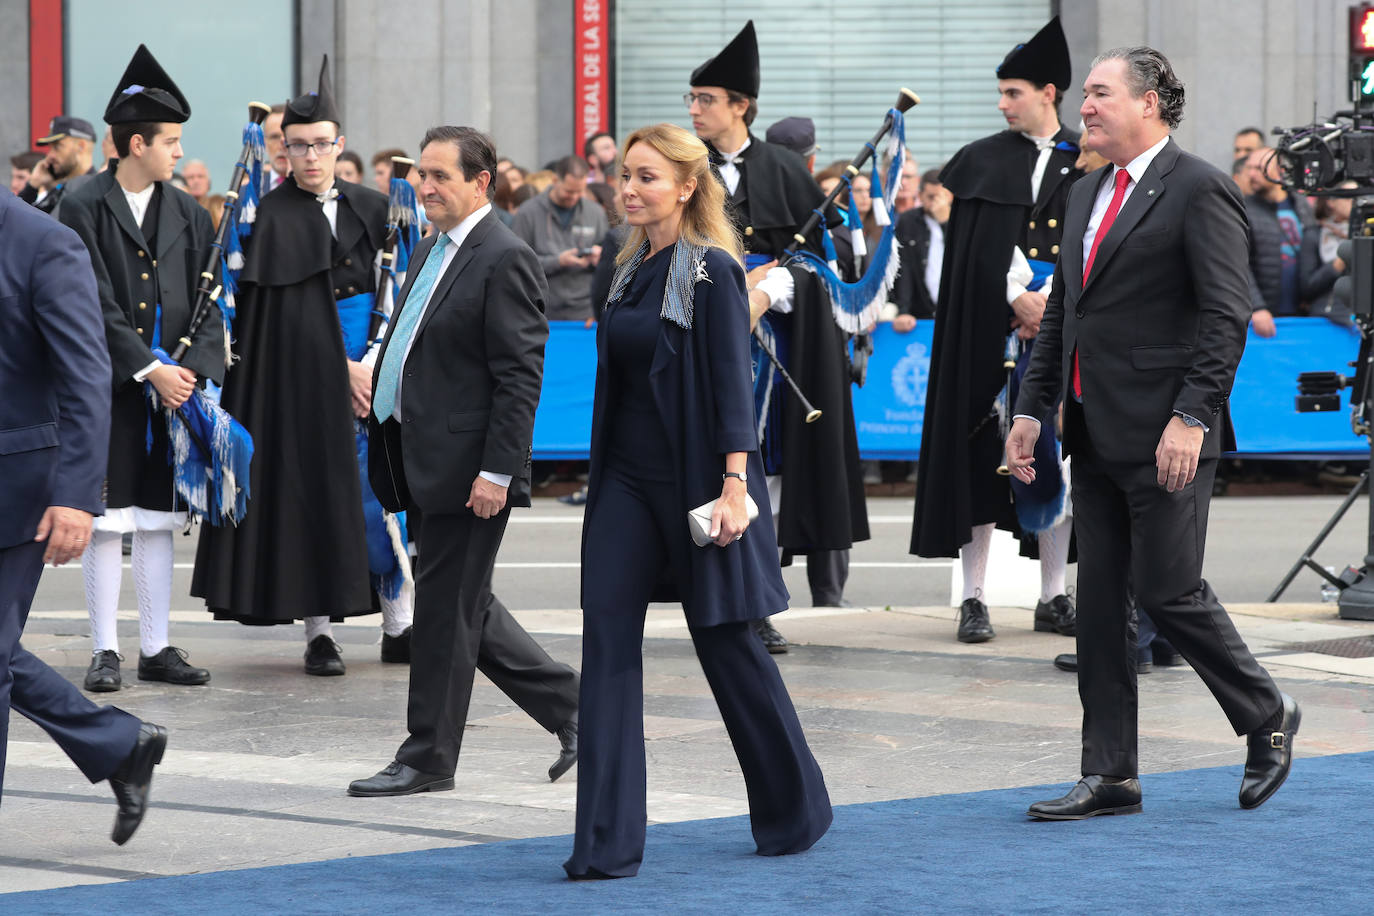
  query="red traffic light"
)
[{"x": 1362, "y": 29}]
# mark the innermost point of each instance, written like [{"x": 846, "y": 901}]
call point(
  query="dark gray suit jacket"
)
[
  {"x": 1161, "y": 324},
  {"x": 471, "y": 383}
]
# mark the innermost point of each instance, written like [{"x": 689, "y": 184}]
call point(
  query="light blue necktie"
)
[{"x": 389, "y": 378}]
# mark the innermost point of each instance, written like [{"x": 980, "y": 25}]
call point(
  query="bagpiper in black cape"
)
[
  {"x": 957, "y": 484},
  {"x": 301, "y": 550}
]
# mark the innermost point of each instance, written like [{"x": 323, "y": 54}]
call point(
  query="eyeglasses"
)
[
  {"x": 321, "y": 147},
  {"x": 704, "y": 99}
]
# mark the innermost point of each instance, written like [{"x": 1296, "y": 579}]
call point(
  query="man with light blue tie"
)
[{"x": 454, "y": 395}]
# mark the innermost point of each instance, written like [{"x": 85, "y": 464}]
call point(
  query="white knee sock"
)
[
  {"x": 152, "y": 563},
  {"x": 317, "y": 626},
  {"x": 399, "y": 612},
  {"x": 974, "y": 557},
  {"x": 1054, "y": 558},
  {"x": 101, "y": 567}
]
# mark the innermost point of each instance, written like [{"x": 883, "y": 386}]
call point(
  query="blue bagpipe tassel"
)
[
  {"x": 858, "y": 245},
  {"x": 402, "y": 213},
  {"x": 880, "y": 212}
]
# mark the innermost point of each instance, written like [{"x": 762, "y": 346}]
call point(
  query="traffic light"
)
[{"x": 1362, "y": 54}]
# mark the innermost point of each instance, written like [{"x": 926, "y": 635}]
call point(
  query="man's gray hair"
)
[{"x": 1147, "y": 69}]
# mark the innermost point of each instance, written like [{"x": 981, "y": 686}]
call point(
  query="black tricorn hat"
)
[
  {"x": 735, "y": 68},
  {"x": 1043, "y": 59},
  {"x": 313, "y": 106},
  {"x": 146, "y": 93}
]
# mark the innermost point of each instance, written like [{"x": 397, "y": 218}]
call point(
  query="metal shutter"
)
[{"x": 840, "y": 64}]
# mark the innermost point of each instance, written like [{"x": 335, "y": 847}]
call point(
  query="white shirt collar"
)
[
  {"x": 459, "y": 233},
  {"x": 1137, "y": 166},
  {"x": 730, "y": 157},
  {"x": 138, "y": 200}
]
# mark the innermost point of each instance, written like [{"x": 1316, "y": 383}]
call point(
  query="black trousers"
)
[
  {"x": 627, "y": 538},
  {"x": 826, "y": 573},
  {"x": 460, "y": 627},
  {"x": 96, "y": 738},
  {"x": 1131, "y": 530}
]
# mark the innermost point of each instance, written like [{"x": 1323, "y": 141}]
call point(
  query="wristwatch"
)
[{"x": 738, "y": 475}]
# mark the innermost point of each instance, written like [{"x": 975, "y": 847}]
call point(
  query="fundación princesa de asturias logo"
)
[{"x": 909, "y": 375}]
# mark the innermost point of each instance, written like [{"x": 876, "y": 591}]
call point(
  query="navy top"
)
[{"x": 637, "y": 443}]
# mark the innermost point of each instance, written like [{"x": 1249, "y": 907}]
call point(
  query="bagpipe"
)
[
  {"x": 402, "y": 235},
  {"x": 211, "y": 452}
]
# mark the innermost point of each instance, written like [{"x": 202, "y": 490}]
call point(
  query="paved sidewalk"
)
[{"x": 893, "y": 705}]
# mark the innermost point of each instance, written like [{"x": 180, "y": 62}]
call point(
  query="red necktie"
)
[{"x": 1123, "y": 178}]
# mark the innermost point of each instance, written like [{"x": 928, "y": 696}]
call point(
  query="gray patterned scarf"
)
[{"x": 687, "y": 268}]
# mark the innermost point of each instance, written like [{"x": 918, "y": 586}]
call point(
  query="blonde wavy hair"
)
[{"x": 704, "y": 221}]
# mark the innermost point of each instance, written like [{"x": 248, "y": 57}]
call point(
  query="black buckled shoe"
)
[
  {"x": 974, "y": 623},
  {"x": 1270, "y": 757},
  {"x": 396, "y": 649},
  {"x": 773, "y": 641},
  {"x": 398, "y": 779},
  {"x": 1056, "y": 616},
  {"x": 322, "y": 658},
  {"x": 1093, "y": 795},
  {"x": 567, "y": 754},
  {"x": 103, "y": 674},
  {"x": 134, "y": 778},
  {"x": 170, "y": 666}
]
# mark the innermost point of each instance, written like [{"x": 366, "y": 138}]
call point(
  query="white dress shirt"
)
[
  {"x": 456, "y": 236},
  {"x": 1136, "y": 169},
  {"x": 935, "y": 257},
  {"x": 729, "y": 171}
]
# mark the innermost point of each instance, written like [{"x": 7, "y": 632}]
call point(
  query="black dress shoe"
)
[
  {"x": 1092, "y": 796},
  {"x": 1165, "y": 655},
  {"x": 567, "y": 754},
  {"x": 974, "y": 624},
  {"x": 322, "y": 658},
  {"x": 1056, "y": 616},
  {"x": 134, "y": 778},
  {"x": 1066, "y": 662},
  {"x": 170, "y": 665},
  {"x": 1270, "y": 757},
  {"x": 773, "y": 641},
  {"x": 103, "y": 674},
  {"x": 398, "y": 779},
  {"x": 396, "y": 649}
]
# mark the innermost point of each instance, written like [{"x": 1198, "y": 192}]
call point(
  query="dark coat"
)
[
  {"x": 913, "y": 249},
  {"x": 55, "y": 414},
  {"x": 1266, "y": 265},
  {"x": 775, "y": 196},
  {"x": 702, "y": 382},
  {"x": 1161, "y": 323},
  {"x": 472, "y": 379}
]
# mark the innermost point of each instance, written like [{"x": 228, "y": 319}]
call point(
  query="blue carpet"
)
[{"x": 1192, "y": 851}]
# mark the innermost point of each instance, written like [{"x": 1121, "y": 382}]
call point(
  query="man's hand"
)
[
  {"x": 758, "y": 304},
  {"x": 1029, "y": 308},
  {"x": 570, "y": 259},
  {"x": 174, "y": 384},
  {"x": 1262, "y": 320},
  {"x": 1177, "y": 453},
  {"x": 486, "y": 498},
  {"x": 754, "y": 277},
  {"x": 40, "y": 179},
  {"x": 1021, "y": 448},
  {"x": 66, "y": 530},
  {"x": 595, "y": 256},
  {"x": 904, "y": 323},
  {"x": 360, "y": 384}
]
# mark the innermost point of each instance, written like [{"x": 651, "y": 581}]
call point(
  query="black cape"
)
[
  {"x": 774, "y": 197},
  {"x": 300, "y": 551},
  {"x": 957, "y": 484}
]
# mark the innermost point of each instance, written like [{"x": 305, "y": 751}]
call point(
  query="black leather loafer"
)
[
  {"x": 398, "y": 779},
  {"x": 773, "y": 641},
  {"x": 1056, "y": 616},
  {"x": 1066, "y": 662},
  {"x": 567, "y": 755},
  {"x": 974, "y": 623},
  {"x": 134, "y": 778},
  {"x": 1092, "y": 796},
  {"x": 170, "y": 666},
  {"x": 1270, "y": 757},
  {"x": 103, "y": 674},
  {"x": 396, "y": 649},
  {"x": 322, "y": 658}
]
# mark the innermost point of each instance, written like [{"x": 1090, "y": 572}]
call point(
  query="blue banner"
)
[{"x": 888, "y": 410}]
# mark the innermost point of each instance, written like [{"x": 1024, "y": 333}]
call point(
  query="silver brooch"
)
[{"x": 699, "y": 266}]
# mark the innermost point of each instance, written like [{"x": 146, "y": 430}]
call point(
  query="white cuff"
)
[
  {"x": 779, "y": 287},
  {"x": 142, "y": 374},
  {"x": 1019, "y": 274},
  {"x": 501, "y": 480},
  {"x": 1023, "y": 416}
]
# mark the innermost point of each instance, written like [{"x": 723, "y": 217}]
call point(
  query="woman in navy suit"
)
[{"x": 673, "y": 428}]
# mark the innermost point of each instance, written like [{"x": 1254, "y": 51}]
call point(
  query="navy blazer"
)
[
  {"x": 702, "y": 382},
  {"x": 54, "y": 372}
]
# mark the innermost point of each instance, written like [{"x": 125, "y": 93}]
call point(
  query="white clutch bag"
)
[{"x": 699, "y": 519}]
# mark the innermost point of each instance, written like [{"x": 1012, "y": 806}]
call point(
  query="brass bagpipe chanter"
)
[{"x": 855, "y": 305}]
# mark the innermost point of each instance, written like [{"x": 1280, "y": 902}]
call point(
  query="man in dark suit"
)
[
  {"x": 1144, "y": 329},
  {"x": 921, "y": 246},
  {"x": 454, "y": 394},
  {"x": 54, "y": 426}
]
